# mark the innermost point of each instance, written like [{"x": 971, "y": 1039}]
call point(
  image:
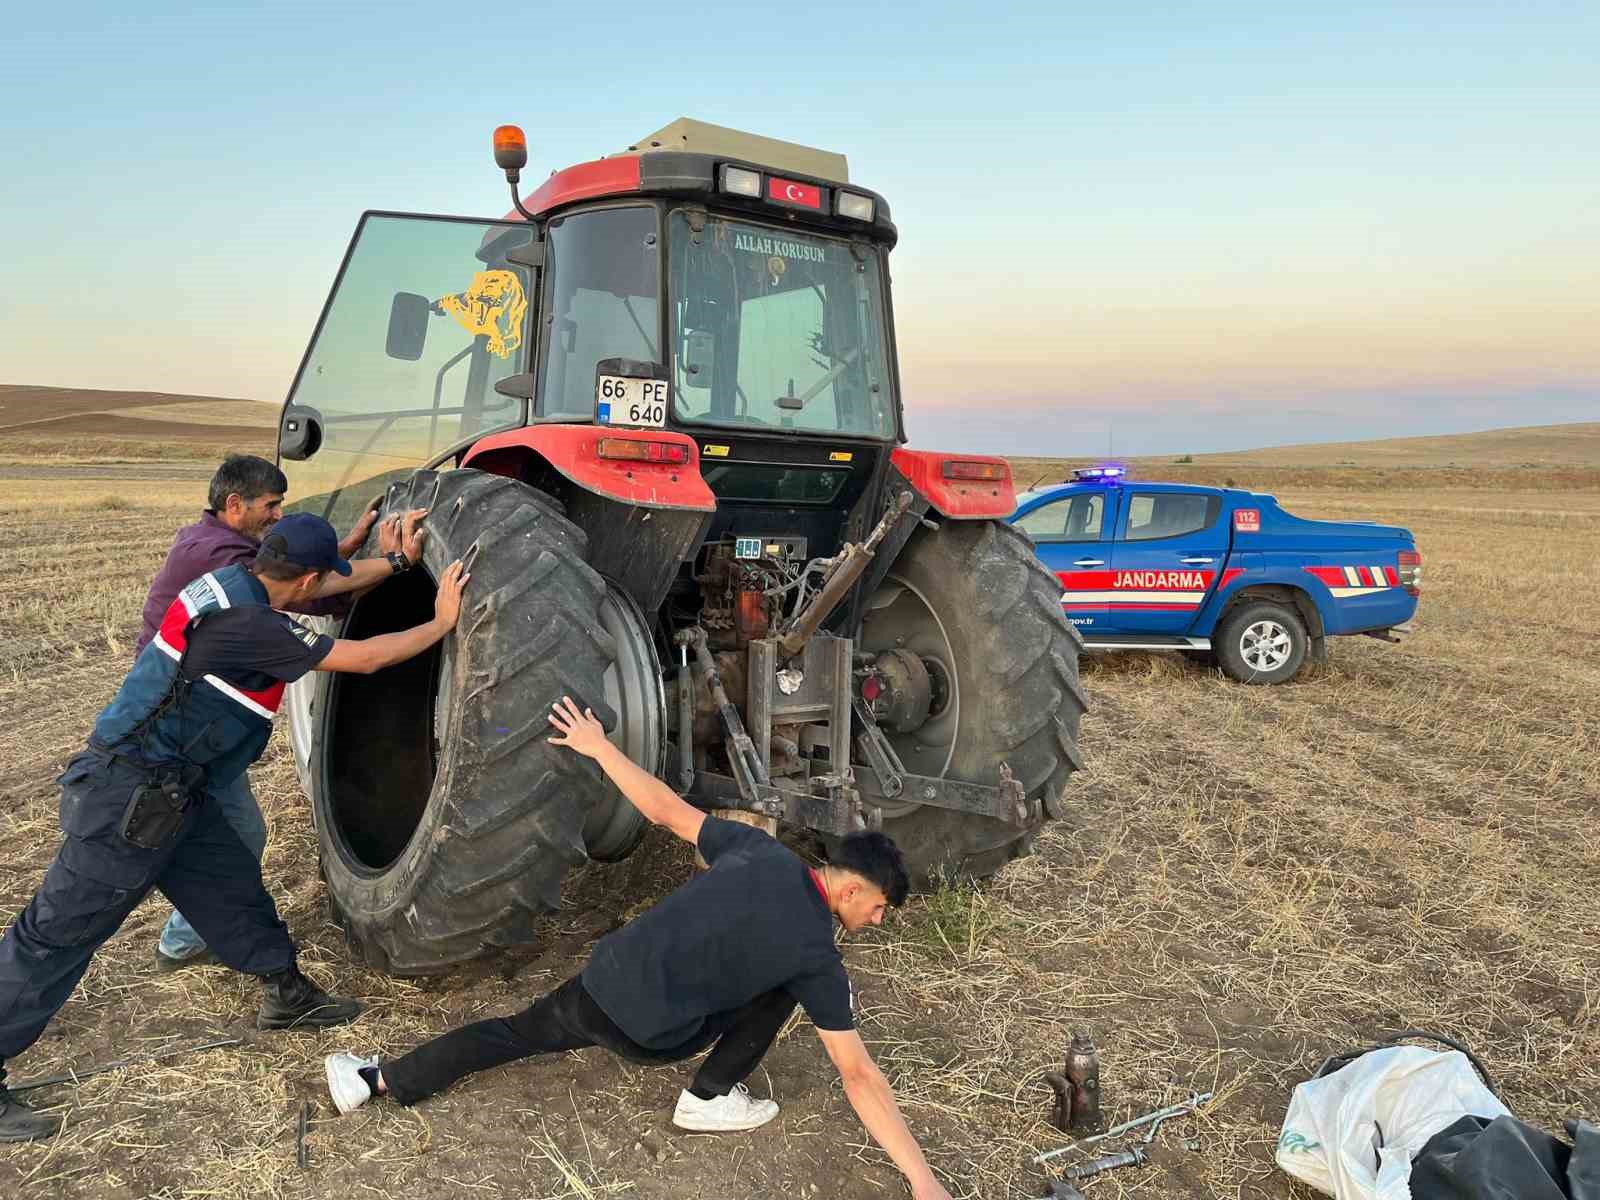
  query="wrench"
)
[{"x": 1195, "y": 1100}]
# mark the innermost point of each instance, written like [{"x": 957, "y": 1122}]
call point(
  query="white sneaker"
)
[
  {"x": 345, "y": 1085},
  {"x": 723, "y": 1114}
]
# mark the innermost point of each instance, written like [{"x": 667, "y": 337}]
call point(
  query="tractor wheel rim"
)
[
  {"x": 909, "y": 622},
  {"x": 634, "y": 692},
  {"x": 1265, "y": 646}
]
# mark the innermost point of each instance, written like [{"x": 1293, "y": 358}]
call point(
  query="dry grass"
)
[
  {"x": 1576, "y": 444},
  {"x": 1251, "y": 879}
]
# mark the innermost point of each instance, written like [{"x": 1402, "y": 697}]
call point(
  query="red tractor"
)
[{"x": 657, "y": 409}]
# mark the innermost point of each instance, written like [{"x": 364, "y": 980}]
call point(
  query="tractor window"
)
[
  {"x": 778, "y": 329},
  {"x": 603, "y": 287},
  {"x": 427, "y": 315}
]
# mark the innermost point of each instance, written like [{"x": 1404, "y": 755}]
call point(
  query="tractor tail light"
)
[
  {"x": 988, "y": 472},
  {"x": 639, "y": 450},
  {"x": 1411, "y": 572}
]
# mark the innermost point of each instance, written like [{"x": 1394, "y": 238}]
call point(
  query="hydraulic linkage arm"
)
[
  {"x": 748, "y": 768},
  {"x": 841, "y": 577}
]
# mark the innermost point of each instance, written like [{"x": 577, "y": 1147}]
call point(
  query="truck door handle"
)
[
  {"x": 1195, "y": 562},
  {"x": 1088, "y": 562}
]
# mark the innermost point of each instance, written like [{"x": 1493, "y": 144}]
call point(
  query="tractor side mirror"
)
[
  {"x": 299, "y": 433},
  {"x": 408, "y": 326}
]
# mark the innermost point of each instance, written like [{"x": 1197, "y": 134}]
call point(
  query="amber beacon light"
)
[
  {"x": 510, "y": 150},
  {"x": 511, "y": 155}
]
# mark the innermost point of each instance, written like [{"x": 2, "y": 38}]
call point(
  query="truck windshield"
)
[{"x": 777, "y": 328}]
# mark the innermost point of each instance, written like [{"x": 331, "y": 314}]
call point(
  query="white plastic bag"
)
[{"x": 1352, "y": 1134}]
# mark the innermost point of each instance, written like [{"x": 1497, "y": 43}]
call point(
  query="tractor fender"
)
[
  {"x": 573, "y": 452},
  {"x": 929, "y": 472}
]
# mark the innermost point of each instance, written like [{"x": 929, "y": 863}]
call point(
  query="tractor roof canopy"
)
[{"x": 690, "y": 158}]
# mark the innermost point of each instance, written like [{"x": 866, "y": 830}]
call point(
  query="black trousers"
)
[
  {"x": 98, "y": 878},
  {"x": 569, "y": 1019}
]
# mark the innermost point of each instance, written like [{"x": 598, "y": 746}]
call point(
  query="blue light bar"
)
[{"x": 1099, "y": 474}]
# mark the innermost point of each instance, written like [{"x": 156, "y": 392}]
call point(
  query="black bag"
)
[{"x": 1507, "y": 1159}]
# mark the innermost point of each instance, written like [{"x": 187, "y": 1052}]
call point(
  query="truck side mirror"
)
[{"x": 408, "y": 326}]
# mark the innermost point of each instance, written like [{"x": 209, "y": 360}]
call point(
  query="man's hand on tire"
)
[
  {"x": 402, "y": 535},
  {"x": 581, "y": 731},
  {"x": 412, "y": 535},
  {"x": 447, "y": 604},
  {"x": 357, "y": 537},
  {"x": 389, "y": 536}
]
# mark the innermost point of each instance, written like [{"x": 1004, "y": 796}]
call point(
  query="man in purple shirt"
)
[{"x": 246, "y": 500}]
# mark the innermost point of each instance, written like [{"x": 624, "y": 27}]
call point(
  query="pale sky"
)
[{"x": 1177, "y": 227}]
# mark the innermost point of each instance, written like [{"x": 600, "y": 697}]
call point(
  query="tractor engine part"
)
[
  {"x": 707, "y": 724},
  {"x": 901, "y": 687},
  {"x": 744, "y": 584}
]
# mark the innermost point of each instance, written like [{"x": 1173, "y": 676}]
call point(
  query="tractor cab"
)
[{"x": 725, "y": 289}]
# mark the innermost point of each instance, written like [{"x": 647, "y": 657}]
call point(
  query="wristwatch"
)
[{"x": 398, "y": 561}]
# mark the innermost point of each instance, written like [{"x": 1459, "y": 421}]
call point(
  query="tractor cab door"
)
[{"x": 426, "y": 316}]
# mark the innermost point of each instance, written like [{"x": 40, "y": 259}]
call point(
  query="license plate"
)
[{"x": 620, "y": 400}]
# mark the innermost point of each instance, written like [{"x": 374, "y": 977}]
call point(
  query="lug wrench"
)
[{"x": 1194, "y": 1101}]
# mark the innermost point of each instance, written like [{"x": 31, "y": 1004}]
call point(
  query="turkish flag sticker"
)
[{"x": 787, "y": 191}]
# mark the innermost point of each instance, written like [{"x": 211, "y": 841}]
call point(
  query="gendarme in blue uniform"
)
[
  {"x": 200, "y": 726},
  {"x": 243, "y": 655}
]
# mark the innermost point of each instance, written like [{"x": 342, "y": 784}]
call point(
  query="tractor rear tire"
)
[
  {"x": 1010, "y": 694},
  {"x": 447, "y": 820}
]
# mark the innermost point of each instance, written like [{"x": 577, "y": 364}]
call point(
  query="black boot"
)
[
  {"x": 293, "y": 1002},
  {"x": 19, "y": 1123}
]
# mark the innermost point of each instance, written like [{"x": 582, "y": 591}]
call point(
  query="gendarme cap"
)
[{"x": 306, "y": 541}]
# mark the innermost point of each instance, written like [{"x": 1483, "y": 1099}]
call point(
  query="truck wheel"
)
[
  {"x": 1261, "y": 642},
  {"x": 973, "y": 602},
  {"x": 446, "y": 819}
]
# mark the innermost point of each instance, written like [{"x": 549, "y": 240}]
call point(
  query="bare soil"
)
[
  {"x": 67, "y": 426},
  {"x": 25, "y": 404},
  {"x": 1249, "y": 880}
]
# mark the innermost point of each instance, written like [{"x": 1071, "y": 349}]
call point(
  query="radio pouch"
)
[{"x": 155, "y": 812}]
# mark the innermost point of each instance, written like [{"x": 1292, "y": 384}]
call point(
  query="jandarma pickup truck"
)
[{"x": 1171, "y": 566}]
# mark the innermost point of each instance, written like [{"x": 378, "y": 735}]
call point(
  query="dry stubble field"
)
[{"x": 1251, "y": 879}]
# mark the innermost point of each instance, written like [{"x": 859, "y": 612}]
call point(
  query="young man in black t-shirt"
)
[{"x": 724, "y": 959}]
